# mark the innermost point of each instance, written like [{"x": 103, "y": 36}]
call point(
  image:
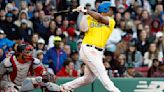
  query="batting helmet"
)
[{"x": 104, "y": 7}]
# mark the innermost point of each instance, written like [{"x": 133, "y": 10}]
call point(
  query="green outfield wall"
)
[{"x": 124, "y": 84}]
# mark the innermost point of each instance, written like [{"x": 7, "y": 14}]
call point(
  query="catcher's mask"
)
[{"x": 27, "y": 52}]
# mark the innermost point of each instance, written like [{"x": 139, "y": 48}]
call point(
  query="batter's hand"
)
[{"x": 81, "y": 9}]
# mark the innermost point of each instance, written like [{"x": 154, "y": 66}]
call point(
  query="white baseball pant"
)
[{"x": 94, "y": 68}]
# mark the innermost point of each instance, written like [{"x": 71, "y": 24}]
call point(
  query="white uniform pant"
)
[
  {"x": 94, "y": 68},
  {"x": 6, "y": 86}
]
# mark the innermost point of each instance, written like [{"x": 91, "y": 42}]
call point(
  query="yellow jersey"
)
[{"x": 98, "y": 33}]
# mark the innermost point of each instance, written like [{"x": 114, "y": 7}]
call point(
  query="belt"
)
[{"x": 99, "y": 49}]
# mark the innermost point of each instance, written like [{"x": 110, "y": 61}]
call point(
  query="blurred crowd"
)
[{"x": 134, "y": 49}]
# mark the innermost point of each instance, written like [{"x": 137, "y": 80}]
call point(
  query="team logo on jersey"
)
[{"x": 92, "y": 24}]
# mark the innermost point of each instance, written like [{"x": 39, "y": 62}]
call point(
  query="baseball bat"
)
[{"x": 66, "y": 11}]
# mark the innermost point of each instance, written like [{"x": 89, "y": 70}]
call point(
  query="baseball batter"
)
[{"x": 97, "y": 27}]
